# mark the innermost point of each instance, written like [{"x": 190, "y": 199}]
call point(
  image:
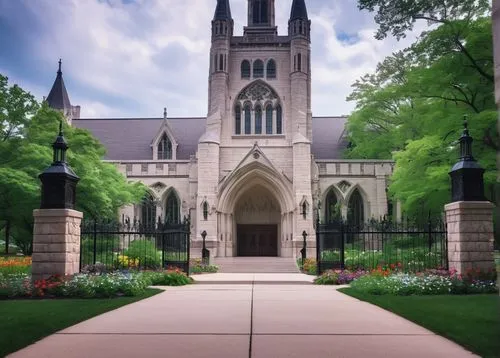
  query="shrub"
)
[
  {"x": 173, "y": 277},
  {"x": 310, "y": 266},
  {"x": 145, "y": 252}
]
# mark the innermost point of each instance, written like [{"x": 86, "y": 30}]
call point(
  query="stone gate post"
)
[
  {"x": 469, "y": 218},
  {"x": 56, "y": 234}
]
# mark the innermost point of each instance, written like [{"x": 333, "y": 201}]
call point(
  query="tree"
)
[
  {"x": 399, "y": 16},
  {"x": 29, "y": 130},
  {"x": 411, "y": 108}
]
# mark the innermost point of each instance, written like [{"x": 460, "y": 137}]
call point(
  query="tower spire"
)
[
  {"x": 222, "y": 10},
  {"x": 299, "y": 10},
  {"x": 58, "y": 97}
]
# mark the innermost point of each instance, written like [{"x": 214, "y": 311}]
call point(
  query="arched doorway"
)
[{"x": 257, "y": 218}]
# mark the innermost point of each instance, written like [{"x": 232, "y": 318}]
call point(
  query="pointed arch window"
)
[
  {"x": 248, "y": 119},
  {"x": 205, "y": 211},
  {"x": 172, "y": 212},
  {"x": 237, "y": 119},
  {"x": 271, "y": 69},
  {"x": 165, "y": 148},
  {"x": 148, "y": 210},
  {"x": 332, "y": 213},
  {"x": 258, "y": 120},
  {"x": 299, "y": 62},
  {"x": 355, "y": 211},
  {"x": 279, "y": 120},
  {"x": 269, "y": 119},
  {"x": 245, "y": 69},
  {"x": 258, "y": 69}
]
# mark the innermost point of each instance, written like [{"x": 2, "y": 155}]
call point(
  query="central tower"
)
[{"x": 261, "y": 17}]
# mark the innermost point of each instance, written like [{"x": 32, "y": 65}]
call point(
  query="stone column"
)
[
  {"x": 470, "y": 235},
  {"x": 56, "y": 243}
]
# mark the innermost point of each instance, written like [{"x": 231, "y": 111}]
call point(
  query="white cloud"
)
[{"x": 151, "y": 54}]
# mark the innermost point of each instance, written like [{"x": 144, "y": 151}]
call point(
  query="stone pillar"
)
[
  {"x": 56, "y": 243},
  {"x": 470, "y": 235}
]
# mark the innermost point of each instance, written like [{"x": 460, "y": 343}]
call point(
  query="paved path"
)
[{"x": 247, "y": 320}]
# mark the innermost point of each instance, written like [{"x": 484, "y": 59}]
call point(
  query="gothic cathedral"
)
[{"x": 259, "y": 168}]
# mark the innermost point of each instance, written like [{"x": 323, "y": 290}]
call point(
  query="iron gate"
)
[
  {"x": 125, "y": 245},
  {"x": 406, "y": 245}
]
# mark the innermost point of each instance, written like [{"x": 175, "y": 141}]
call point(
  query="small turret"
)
[
  {"x": 299, "y": 24},
  {"x": 222, "y": 23}
]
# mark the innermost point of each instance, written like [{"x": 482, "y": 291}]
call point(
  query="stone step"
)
[
  {"x": 256, "y": 265},
  {"x": 253, "y": 279}
]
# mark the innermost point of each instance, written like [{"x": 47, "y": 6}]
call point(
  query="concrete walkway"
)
[{"x": 247, "y": 320}]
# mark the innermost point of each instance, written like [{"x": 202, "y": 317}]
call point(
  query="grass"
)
[
  {"x": 27, "y": 321},
  {"x": 473, "y": 321}
]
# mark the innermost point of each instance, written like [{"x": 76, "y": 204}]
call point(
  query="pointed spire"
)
[
  {"x": 58, "y": 97},
  {"x": 164, "y": 112},
  {"x": 299, "y": 10},
  {"x": 223, "y": 10}
]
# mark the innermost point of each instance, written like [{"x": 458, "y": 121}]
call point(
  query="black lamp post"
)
[
  {"x": 59, "y": 181},
  {"x": 205, "y": 254},
  {"x": 304, "y": 247},
  {"x": 467, "y": 175}
]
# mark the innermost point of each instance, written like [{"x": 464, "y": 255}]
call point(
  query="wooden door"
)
[{"x": 257, "y": 240}]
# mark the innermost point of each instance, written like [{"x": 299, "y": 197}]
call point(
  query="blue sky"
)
[{"x": 131, "y": 58}]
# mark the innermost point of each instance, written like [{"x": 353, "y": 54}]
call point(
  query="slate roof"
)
[
  {"x": 130, "y": 138},
  {"x": 58, "y": 97},
  {"x": 223, "y": 10},
  {"x": 299, "y": 10},
  {"x": 328, "y": 141}
]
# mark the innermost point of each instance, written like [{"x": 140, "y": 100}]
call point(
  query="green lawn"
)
[
  {"x": 24, "y": 322},
  {"x": 473, "y": 321}
]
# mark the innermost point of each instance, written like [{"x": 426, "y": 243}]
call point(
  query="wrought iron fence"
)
[
  {"x": 115, "y": 245},
  {"x": 406, "y": 245}
]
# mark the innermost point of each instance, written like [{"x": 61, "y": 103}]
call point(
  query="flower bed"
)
[
  {"x": 15, "y": 265},
  {"x": 116, "y": 284},
  {"x": 432, "y": 282},
  {"x": 390, "y": 280},
  {"x": 196, "y": 266},
  {"x": 339, "y": 277}
]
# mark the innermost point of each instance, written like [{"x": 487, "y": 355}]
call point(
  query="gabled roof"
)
[
  {"x": 58, "y": 97},
  {"x": 130, "y": 138},
  {"x": 223, "y": 10},
  {"x": 299, "y": 10}
]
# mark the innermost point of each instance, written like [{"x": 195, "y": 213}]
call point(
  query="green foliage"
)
[
  {"x": 145, "y": 251},
  {"x": 410, "y": 110},
  {"x": 27, "y": 131},
  {"x": 399, "y": 16}
]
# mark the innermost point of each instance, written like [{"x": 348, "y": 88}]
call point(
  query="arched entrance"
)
[{"x": 258, "y": 219}]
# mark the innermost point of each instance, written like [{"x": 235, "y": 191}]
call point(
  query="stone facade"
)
[
  {"x": 470, "y": 235},
  {"x": 237, "y": 160},
  {"x": 56, "y": 242}
]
